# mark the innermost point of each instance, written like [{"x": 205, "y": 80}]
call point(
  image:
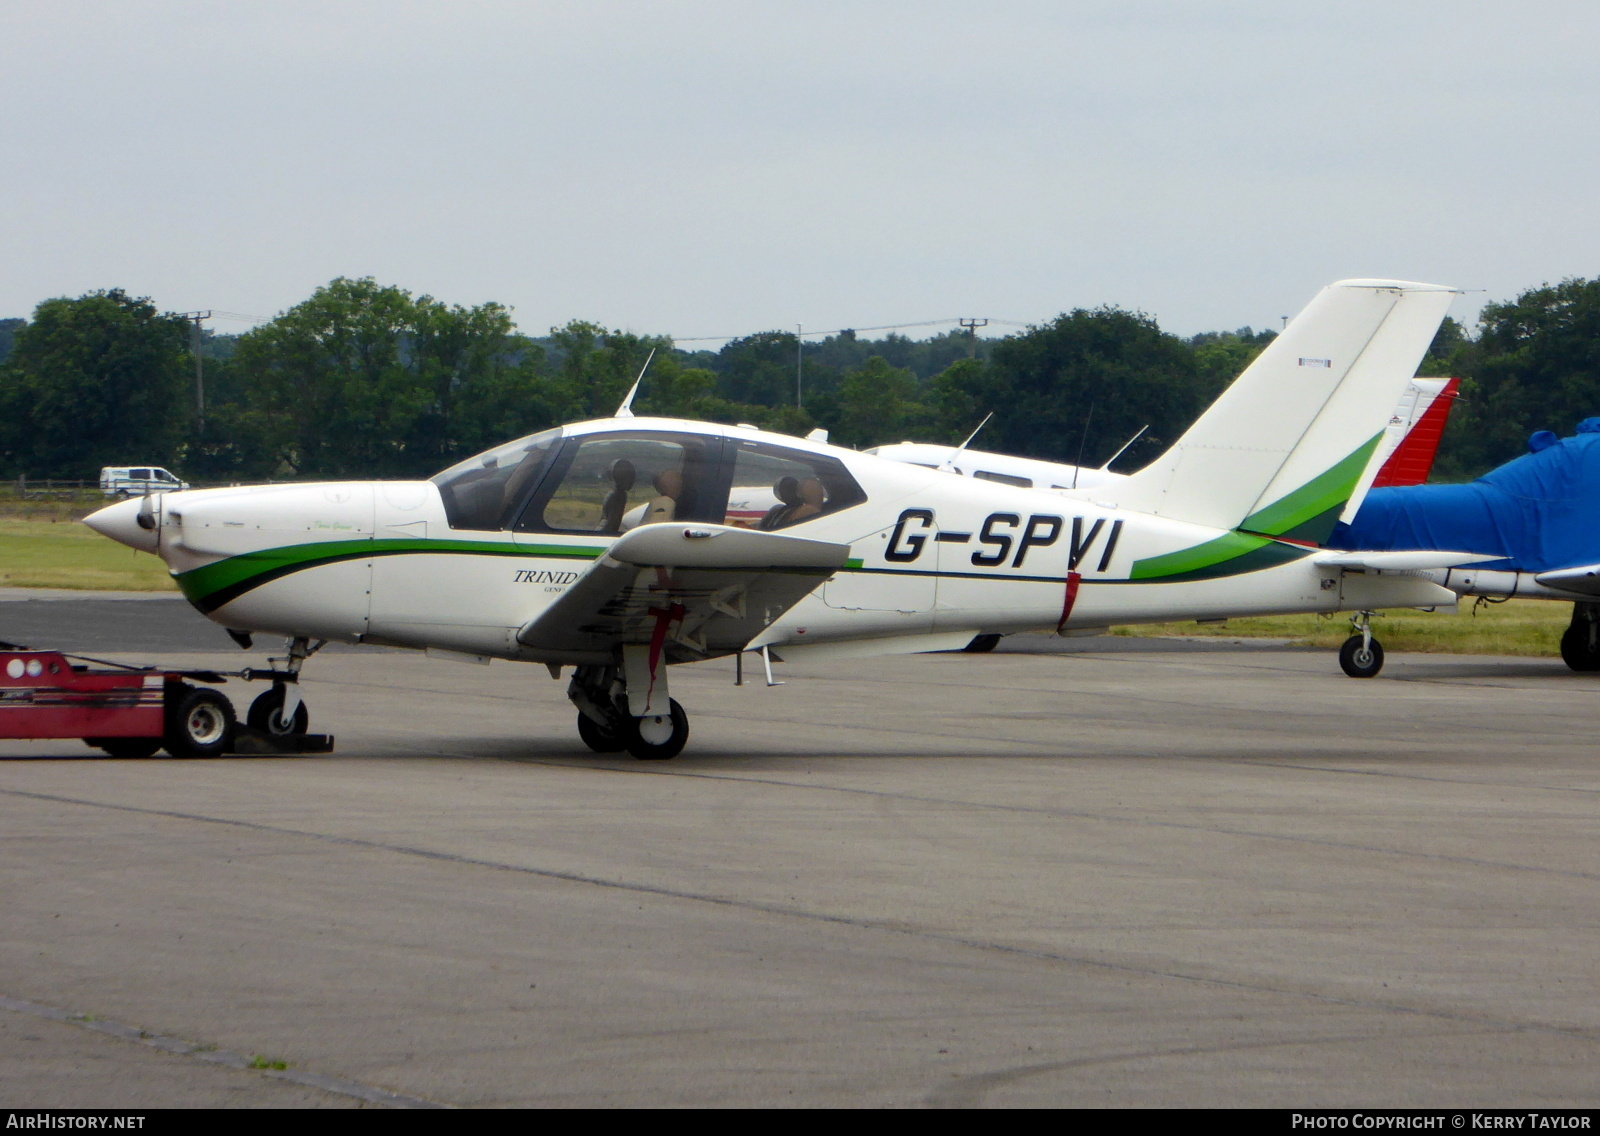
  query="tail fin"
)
[{"x": 1291, "y": 441}]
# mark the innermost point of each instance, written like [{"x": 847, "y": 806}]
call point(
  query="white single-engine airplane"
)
[{"x": 620, "y": 546}]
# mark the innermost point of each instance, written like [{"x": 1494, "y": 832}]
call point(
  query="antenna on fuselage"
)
[
  {"x": 626, "y": 409},
  {"x": 1125, "y": 445},
  {"x": 949, "y": 465}
]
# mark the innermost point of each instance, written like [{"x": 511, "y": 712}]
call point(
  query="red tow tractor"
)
[{"x": 132, "y": 711}]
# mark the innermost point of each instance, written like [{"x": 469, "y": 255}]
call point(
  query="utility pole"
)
[
  {"x": 199, "y": 369},
  {"x": 799, "y": 363},
  {"x": 972, "y": 326}
]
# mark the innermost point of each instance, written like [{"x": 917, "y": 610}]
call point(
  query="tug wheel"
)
[
  {"x": 659, "y": 736},
  {"x": 598, "y": 738},
  {"x": 126, "y": 747},
  {"x": 266, "y": 715},
  {"x": 1361, "y": 661},
  {"x": 199, "y": 723}
]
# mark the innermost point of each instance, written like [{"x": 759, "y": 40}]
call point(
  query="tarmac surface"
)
[{"x": 1111, "y": 874}]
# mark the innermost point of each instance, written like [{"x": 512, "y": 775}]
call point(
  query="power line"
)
[{"x": 958, "y": 320}]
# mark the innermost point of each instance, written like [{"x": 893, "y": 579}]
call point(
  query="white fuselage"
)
[{"x": 932, "y": 555}]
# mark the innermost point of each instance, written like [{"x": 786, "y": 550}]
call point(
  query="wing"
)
[
  {"x": 698, "y": 591},
  {"x": 1584, "y": 579}
]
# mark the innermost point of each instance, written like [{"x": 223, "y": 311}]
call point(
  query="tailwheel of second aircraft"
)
[
  {"x": 266, "y": 715},
  {"x": 599, "y": 738},
  {"x": 657, "y": 737},
  {"x": 1361, "y": 659}
]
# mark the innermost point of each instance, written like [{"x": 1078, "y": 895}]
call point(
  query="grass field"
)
[
  {"x": 65, "y": 554},
  {"x": 1517, "y": 627}
]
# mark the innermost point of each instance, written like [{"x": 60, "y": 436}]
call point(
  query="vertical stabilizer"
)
[{"x": 1286, "y": 446}]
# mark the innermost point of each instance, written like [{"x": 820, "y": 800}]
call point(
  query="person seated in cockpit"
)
[
  {"x": 664, "y": 506},
  {"x": 787, "y": 491},
  {"x": 813, "y": 494},
  {"x": 616, "y": 502}
]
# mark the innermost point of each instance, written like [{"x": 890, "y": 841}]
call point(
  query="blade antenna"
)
[
  {"x": 1082, "y": 442},
  {"x": 626, "y": 409},
  {"x": 1125, "y": 445},
  {"x": 950, "y": 462}
]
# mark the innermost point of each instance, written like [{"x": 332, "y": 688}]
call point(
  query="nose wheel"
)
[{"x": 269, "y": 714}]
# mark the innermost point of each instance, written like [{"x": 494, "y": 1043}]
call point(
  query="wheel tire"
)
[
  {"x": 1359, "y": 661},
  {"x": 981, "y": 644},
  {"x": 1575, "y": 650},
  {"x": 659, "y": 737},
  {"x": 199, "y": 723},
  {"x": 126, "y": 747},
  {"x": 266, "y": 715},
  {"x": 598, "y": 738}
]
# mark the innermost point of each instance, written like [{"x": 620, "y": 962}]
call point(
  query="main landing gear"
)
[
  {"x": 1361, "y": 656},
  {"x": 625, "y": 706},
  {"x": 280, "y": 712},
  {"x": 1580, "y": 643}
]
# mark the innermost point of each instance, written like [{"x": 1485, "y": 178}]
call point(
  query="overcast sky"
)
[{"x": 707, "y": 169}]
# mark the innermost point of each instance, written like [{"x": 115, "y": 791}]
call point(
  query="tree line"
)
[{"x": 368, "y": 380}]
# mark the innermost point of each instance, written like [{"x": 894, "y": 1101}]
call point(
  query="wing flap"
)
[{"x": 698, "y": 591}]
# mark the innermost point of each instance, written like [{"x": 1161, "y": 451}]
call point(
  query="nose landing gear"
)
[{"x": 280, "y": 712}]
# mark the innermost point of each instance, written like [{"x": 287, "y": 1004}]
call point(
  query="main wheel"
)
[
  {"x": 659, "y": 736},
  {"x": 598, "y": 738},
  {"x": 199, "y": 723},
  {"x": 266, "y": 715},
  {"x": 126, "y": 747},
  {"x": 1361, "y": 661},
  {"x": 1575, "y": 649}
]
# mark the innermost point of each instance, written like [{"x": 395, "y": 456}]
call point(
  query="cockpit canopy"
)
[{"x": 609, "y": 481}]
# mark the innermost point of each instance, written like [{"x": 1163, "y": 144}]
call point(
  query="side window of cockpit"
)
[
  {"x": 610, "y": 483},
  {"x": 483, "y": 493},
  {"x": 775, "y": 487}
]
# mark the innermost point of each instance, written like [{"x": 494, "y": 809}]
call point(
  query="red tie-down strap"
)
[
  {"x": 665, "y": 618},
  {"x": 1071, "y": 598}
]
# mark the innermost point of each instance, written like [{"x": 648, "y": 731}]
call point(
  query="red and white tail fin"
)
[{"x": 1415, "y": 431}]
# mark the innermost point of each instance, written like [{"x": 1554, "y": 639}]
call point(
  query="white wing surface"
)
[{"x": 697, "y": 591}]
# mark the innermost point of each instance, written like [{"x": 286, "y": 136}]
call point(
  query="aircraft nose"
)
[{"x": 120, "y": 522}]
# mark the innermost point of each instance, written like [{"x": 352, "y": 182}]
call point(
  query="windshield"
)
[{"x": 484, "y": 492}]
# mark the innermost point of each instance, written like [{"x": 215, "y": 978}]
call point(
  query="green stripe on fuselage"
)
[
  {"x": 1228, "y": 555},
  {"x": 1310, "y": 512},
  {"x": 212, "y": 585}
]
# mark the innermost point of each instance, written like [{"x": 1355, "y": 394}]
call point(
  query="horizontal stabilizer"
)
[
  {"x": 1401, "y": 561},
  {"x": 1585, "y": 579}
]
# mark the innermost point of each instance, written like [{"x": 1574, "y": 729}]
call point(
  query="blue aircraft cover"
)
[{"x": 1540, "y": 512}]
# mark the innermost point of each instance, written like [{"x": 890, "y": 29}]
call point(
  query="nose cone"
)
[{"x": 120, "y": 522}]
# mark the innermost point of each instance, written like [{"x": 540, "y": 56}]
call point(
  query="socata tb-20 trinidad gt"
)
[{"x": 618, "y": 547}]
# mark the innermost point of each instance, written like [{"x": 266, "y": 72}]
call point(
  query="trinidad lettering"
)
[{"x": 532, "y": 576}]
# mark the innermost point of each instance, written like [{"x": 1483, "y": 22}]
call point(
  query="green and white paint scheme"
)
[{"x": 884, "y": 557}]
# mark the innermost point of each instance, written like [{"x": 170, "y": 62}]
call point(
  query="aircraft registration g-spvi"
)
[{"x": 618, "y": 547}]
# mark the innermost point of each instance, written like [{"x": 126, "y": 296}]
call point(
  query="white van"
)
[{"x": 137, "y": 480}]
